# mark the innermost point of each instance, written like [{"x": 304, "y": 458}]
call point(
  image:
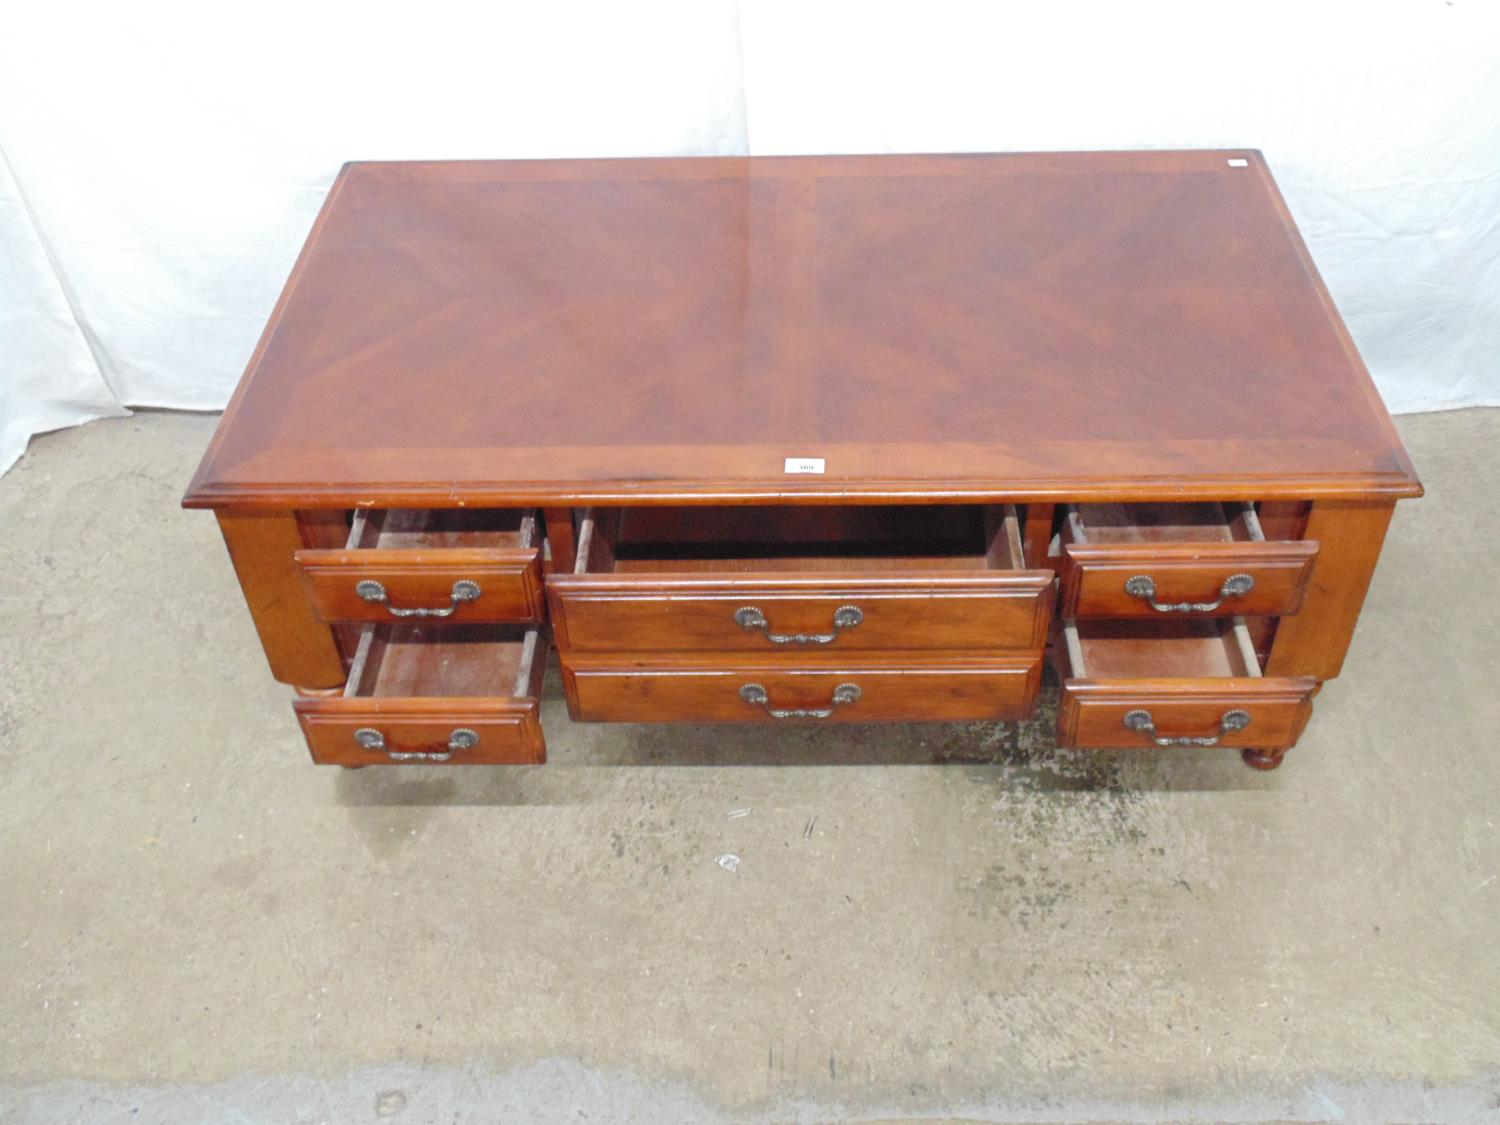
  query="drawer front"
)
[
  {"x": 425, "y": 731},
  {"x": 1246, "y": 712},
  {"x": 1185, "y": 579},
  {"x": 473, "y": 585},
  {"x": 749, "y": 693},
  {"x": 761, "y": 615}
]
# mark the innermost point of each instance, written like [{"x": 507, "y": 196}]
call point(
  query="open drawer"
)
[
  {"x": 1178, "y": 560},
  {"x": 799, "y": 579},
  {"x": 459, "y": 694},
  {"x": 1188, "y": 682},
  {"x": 460, "y": 564}
]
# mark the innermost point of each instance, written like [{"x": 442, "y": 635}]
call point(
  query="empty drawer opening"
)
[
  {"x": 410, "y": 660},
  {"x": 1162, "y": 523},
  {"x": 1187, "y": 648},
  {"x": 800, "y": 539},
  {"x": 433, "y": 529}
]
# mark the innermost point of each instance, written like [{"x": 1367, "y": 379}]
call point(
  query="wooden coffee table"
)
[{"x": 825, "y": 439}]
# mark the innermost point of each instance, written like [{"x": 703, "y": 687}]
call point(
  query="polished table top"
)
[{"x": 1032, "y": 326}]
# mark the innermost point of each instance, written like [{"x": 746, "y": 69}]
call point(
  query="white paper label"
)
[
  {"x": 1238, "y": 162},
  {"x": 804, "y": 464}
]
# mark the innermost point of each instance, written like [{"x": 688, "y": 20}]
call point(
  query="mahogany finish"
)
[
  {"x": 690, "y": 603},
  {"x": 968, "y": 687},
  {"x": 1315, "y": 641},
  {"x": 915, "y": 387},
  {"x": 915, "y": 611},
  {"x": 1012, "y": 327},
  {"x": 262, "y": 546},
  {"x": 1094, "y": 577},
  {"x": 417, "y": 685},
  {"x": 1187, "y": 674},
  {"x": 418, "y": 570},
  {"x": 1093, "y": 711}
]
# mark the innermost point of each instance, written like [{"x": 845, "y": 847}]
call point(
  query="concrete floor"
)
[{"x": 926, "y": 922}]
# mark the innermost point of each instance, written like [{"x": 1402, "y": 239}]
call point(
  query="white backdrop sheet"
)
[{"x": 160, "y": 163}]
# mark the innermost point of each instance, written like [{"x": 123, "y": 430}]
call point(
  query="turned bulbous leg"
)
[
  {"x": 1262, "y": 759},
  {"x": 319, "y": 692}
]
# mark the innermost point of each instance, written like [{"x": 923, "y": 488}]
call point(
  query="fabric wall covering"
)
[{"x": 160, "y": 163}]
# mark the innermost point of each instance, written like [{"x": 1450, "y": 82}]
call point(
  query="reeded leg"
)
[{"x": 1262, "y": 759}]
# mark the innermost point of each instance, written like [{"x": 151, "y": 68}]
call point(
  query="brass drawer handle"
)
[
  {"x": 461, "y": 739},
  {"x": 845, "y": 617},
  {"x": 757, "y": 696},
  {"x": 1144, "y": 587},
  {"x": 463, "y": 591},
  {"x": 1140, "y": 720}
]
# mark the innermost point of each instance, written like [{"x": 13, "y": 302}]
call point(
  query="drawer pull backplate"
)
[
  {"x": 1143, "y": 586},
  {"x": 464, "y": 590},
  {"x": 845, "y": 617},
  {"x": 461, "y": 739},
  {"x": 1230, "y": 721},
  {"x": 757, "y": 696}
]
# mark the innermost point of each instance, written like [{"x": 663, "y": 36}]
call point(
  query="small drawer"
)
[
  {"x": 456, "y": 564},
  {"x": 1188, "y": 682},
  {"x": 853, "y": 691},
  {"x": 790, "y": 581},
  {"x": 458, "y": 694},
  {"x": 1178, "y": 560}
]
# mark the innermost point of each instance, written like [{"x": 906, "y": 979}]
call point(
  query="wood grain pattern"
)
[
  {"x": 1143, "y": 330},
  {"x": 1187, "y": 673},
  {"x": 911, "y": 611},
  {"x": 509, "y": 730},
  {"x": 1093, "y": 711},
  {"x": 1038, "y": 534},
  {"x": 510, "y": 581},
  {"x": 562, "y": 539},
  {"x": 783, "y": 306},
  {"x": 1094, "y": 576},
  {"x": 300, "y": 648},
  {"x": 417, "y": 684},
  {"x": 328, "y": 529},
  {"x": 418, "y": 556},
  {"x": 967, "y": 687},
  {"x": 1315, "y": 642},
  {"x": 643, "y": 585},
  {"x": 1170, "y": 648}
]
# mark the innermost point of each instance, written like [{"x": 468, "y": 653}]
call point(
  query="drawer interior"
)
[
  {"x": 1183, "y": 648},
  {"x": 800, "y": 538},
  {"x": 1162, "y": 523},
  {"x": 430, "y": 529},
  {"x": 412, "y": 660}
]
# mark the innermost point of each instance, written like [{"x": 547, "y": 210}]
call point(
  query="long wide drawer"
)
[
  {"x": 459, "y": 695},
  {"x": 762, "y": 613},
  {"x": 961, "y": 588},
  {"x": 843, "y": 692},
  {"x": 1169, "y": 560},
  {"x": 464, "y": 565},
  {"x": 1180, "y": 683}
]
